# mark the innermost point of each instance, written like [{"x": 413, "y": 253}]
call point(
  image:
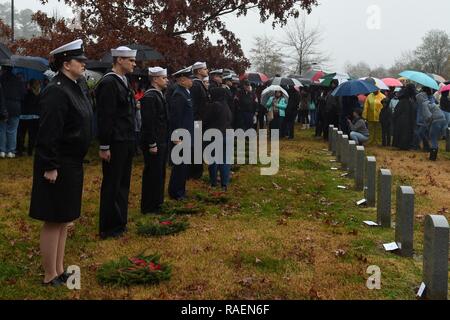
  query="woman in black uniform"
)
[{"x": 65, "y": 132}]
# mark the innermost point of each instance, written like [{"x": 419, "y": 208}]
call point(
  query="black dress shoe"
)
[
  {"x": 64, "y": 277},
  {"x": 54, "y": 283}
]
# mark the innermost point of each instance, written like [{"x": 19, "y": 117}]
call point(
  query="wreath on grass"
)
[
  {"x": 141, "y": 270},
  {"x": 212, "y": 197},
  {"x": 162, "y": 227},
  {"x": 181, "y": 208}
]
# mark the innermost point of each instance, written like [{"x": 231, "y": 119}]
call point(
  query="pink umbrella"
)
[
  {"x": 362, "y": 98},
  {"x": 391, "y": 82},
  {"x": 445, "y": 88}
]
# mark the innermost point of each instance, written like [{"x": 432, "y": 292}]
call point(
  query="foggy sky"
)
[{"x": 346, "y": 37}]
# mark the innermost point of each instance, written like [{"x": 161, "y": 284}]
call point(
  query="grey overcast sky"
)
[{"x": 346, "y": 35}]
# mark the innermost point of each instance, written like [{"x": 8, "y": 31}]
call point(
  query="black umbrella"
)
[
  {"x": 98, "y": 65},
  {"x": 284, "y": 82},
  {"x": 33, "y": 63},
  {"x": 144, "y": 53},
  {"x": 5, "y": 53}
]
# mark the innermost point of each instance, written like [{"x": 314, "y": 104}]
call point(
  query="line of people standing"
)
[{"x": 66, "y": 131}]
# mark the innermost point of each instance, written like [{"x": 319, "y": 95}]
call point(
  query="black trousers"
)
[
  {"x": 178, "y": 178},
  {"x": 386, "y": 135},
  {"x": 320, "y": 125},
  {"x": 31, "y": 127},
  {"x": 115, "y": 189},
  {"x": 289, "y": 127},
  {"x": 154, "y": 180}
]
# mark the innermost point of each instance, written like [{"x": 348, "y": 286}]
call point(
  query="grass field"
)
[{"x": 290, "y": 236}]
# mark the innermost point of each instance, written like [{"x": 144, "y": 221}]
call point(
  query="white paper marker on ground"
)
[
  {"x": 391, "y": 246},
  {"x": 421, "y": 290},
  {"x": 361, "y": 202},
  {"x": 342, "y": 187},
  {"x": 334, "y": 169},
  {"x": 371, "y": 223},
  {"x": 344, "y": 174}
]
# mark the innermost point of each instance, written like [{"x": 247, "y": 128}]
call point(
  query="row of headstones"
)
[{"x": 363, "y": 169}]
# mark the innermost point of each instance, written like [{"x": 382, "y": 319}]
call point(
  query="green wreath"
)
[
  {"x": 141, "y": 270},
  {"x": 161, "y": 227}
]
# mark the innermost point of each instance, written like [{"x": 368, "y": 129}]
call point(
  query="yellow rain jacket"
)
[{"x": 373, "y": 106}]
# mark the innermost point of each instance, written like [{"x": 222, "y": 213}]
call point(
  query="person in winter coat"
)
[
  {"x": 386, "y": 121},
  {"x": 321, "y": 112},
  {"x": 358, "y": 128},
  {"x": 247, "y": 104},
  {"x": 404, "y": 118},
  {"x": 434, "y": 118},
  {"x": 445, "y": 106},
  {"x": 333, "y": 108},
  {"x": 291, "y": 113},
  {"x": 14, "y": 92},
  {"x": 219, "y": 117},
  {"x": 349, "y": 104},
  {"x": 29, "y": 119},
  {"x": 276, "y": 107},
  {"x": 303, "y": 113}
]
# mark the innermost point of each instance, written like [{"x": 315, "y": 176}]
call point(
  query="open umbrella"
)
[
  {"x": 420, "y": 78},
  {"x": 5, "y": 53},
  {"x": 314, "y": 75},
  {"x": 33, "y": 63},
  {"x": 354, "y": 88},
  {"x": 270, "y": 91},
  {"x": 378, "y": 82},
  {"x": 144, "y": 53},
  {"x": 284, "y": 82},
  {"x": 93, "y": 75},
  {"x": 328, "y": 78},
  {"x": 445, "y": 88},
  {"x": 98, "y": 65},
  {"x": 391, "y": 82},
  {"x": 254, "y": 77},
  {"x": 437, "y": 77}
]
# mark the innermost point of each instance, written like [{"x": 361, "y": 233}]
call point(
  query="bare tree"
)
[
  {"x": 302, "y": 44},
  {"x": 266, "y": 56},
  {"x": 434, "y": 52},
  {"x": 359, "y": 70},
  {"x": 407, "y": 61}
]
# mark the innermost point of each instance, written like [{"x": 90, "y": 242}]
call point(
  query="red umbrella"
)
[
  {"x": 255, "y": 77},
  {"x": 319, "y": 75},
  {"x": 391, "y": 82},
  {"x": 445, "y": 88}
]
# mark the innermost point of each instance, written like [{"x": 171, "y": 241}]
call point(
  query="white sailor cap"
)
[
  {"x": 199, "y": 65},
  {"x": 186, "y": 72},
  {"x": 217, "y": 72},
  {"x": 124, "y": 52},
  {"x": 157, "y": 72},
  {"x": 73, "y": 50}
]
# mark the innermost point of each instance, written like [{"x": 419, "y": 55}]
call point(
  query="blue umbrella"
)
[
  {"x": 354, "y": 88},
  {"x": 420, "y": 78}
]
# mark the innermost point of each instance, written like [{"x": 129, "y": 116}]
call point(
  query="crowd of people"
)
[
  {"x": 402, "y": 117},
  {"x": 62, "y": 118}
]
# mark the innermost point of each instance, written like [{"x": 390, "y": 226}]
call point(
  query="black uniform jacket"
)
[
  {"x": 65, "y": 129},
  {"x": 155, "y": 119},
  {"x": 116, "y": 110},
  {"x": 200, "y": 98}
]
